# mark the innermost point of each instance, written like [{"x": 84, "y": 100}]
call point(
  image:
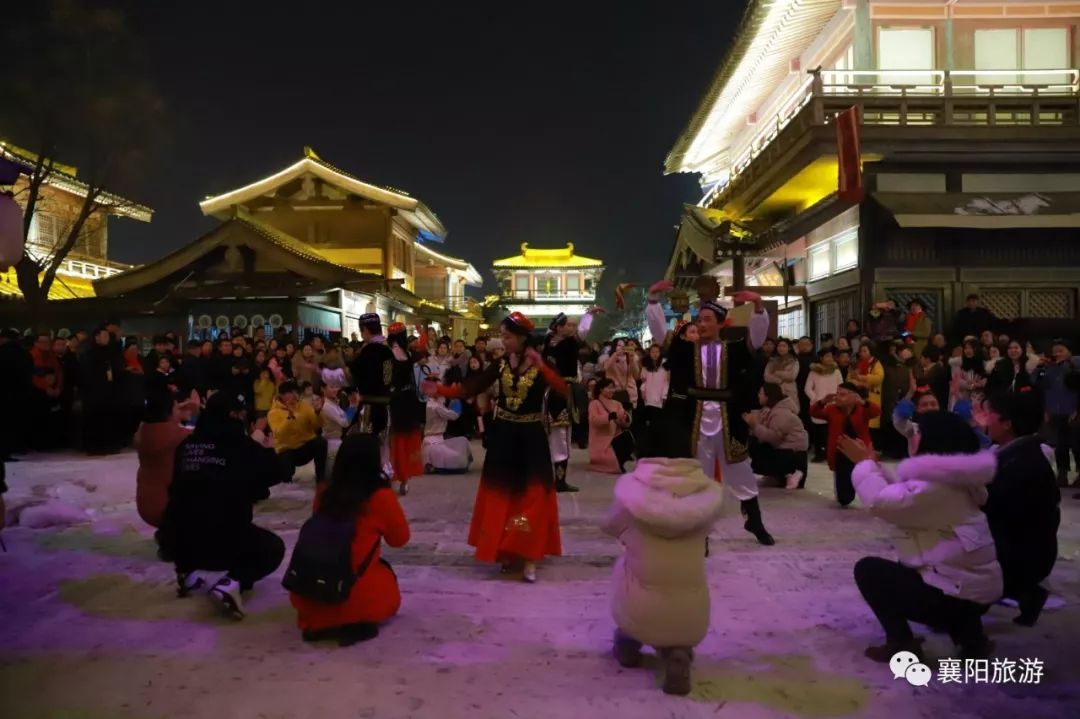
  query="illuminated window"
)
[
  {"x": 521, "y": 285},
  {"x": 548, "y": 284},
  {"x": 846, "y": 251},
  {"x": 1042, "y": 48},
  {"x": 818, "y": 260},
  {"x": 1046, "y": 48},
  {"x": 996, "y": 49},
  {"x": 905, "y": 48},
  {"x": 44, "y": 230},
  {"x": 573, "y": 282}
]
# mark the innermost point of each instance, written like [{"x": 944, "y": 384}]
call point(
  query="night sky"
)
[{"x": 542, "y": 123}]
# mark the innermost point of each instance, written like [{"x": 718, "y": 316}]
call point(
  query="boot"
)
[
  {"x": 677, "y": 672},
  {"x": 627, "y": 651},
  {"x": 884, "y": 652},
  {"x": 1031, "y": 605},
  {"x": 227, "y": 594},
  {"x": 561, "y": 485},
  {"x": 752, "y": 511},
  {"x": 354, "y": 633}
]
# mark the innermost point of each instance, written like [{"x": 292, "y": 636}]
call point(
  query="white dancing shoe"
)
[
  {"x": 529, "y": 572},
  {"x": 793, "y": 479}
]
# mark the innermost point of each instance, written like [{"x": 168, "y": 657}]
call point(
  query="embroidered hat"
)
[{"x": 518, "y": 324}]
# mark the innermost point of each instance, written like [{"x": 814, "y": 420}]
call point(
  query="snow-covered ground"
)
[{"x": 91, "y": 627}]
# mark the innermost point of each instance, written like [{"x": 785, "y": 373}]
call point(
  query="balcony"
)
[
  {"x": 553, "y": 296},
  {"x": 952, "y": 102}
]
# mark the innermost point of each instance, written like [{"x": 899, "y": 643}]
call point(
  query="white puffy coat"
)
[
  {"x": 934, "y": 500},
  {"x": 662, "y": 513}
]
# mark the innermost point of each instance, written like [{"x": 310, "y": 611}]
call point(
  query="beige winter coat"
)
[
  {"x": 783, "y": 372},
  {"x": 934, "y": 501},
  {"x": 781, "y": 427},
  {"x": 663, "y": 511}
]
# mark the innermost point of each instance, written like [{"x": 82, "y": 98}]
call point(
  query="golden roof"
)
[
  {"x": 563, "y": 257},
  {"x": 63, "y": 287}
]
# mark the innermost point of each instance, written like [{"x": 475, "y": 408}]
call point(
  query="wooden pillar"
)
[
  {"x": 949, "y": 61},
  {"x": 863, "y": 38},
  {"x": 738, "y": 273}
]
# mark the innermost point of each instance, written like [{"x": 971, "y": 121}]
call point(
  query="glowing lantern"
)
[{"x": 11, "y": 231}]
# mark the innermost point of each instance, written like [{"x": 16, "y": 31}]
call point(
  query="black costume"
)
[
  {"x": 1024, "y": 516},
  {"x": 564, "y": 411},
  {"x": 709, "y": 390}
]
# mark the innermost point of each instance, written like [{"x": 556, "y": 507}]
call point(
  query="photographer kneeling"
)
[
  {"x": 947, "y": 575},
  {"x": 782, "y": 440}
]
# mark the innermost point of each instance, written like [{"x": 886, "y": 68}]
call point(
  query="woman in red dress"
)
[
  {"x": 516, "y": 516},
  {"x": 358, "y": 489}
]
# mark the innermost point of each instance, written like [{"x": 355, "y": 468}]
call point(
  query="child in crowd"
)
[
  {"x": 662, "y": 514},
  {"x": 264, "y": 389},
  {"x": 847, "y": 413}
]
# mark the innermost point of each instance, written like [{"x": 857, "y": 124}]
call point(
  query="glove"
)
[{"x": 905, "y": 409}]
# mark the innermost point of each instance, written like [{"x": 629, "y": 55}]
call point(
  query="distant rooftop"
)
[{"x": 533, "y": 258}]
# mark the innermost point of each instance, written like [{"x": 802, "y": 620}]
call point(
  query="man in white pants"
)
[{"x": 709, "y": 390}]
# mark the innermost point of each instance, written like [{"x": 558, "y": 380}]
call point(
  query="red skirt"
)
[
  {"x": 405, "y": 454},
  {"x": 506, "y": 526}
]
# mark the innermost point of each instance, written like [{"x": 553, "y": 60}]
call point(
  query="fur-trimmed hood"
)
[
  {"x": 824, "y": 368},
  {"x": 672, "y": 497},
  {"x": 966, "y": 471}
]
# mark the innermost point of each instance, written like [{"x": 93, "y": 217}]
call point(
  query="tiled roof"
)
[
  {"x": 63, "y": 177},
  {"x": 563, "y": 257}
]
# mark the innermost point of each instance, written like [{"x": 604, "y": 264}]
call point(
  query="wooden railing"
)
[{"x": 917, "y": 98}]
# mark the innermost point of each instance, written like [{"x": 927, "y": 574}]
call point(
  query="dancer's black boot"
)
[
  {"x": 561, "y": 484},
  {"x": 752, "y": 511}
]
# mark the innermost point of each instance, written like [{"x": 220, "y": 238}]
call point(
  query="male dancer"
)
[
  {"x": 564, "y": 340},
  {"x": 373, "y": 375},
  {"x": 708, "y": 393}
]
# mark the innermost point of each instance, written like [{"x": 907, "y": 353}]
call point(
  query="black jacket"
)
[
  {"x": 95, "y": 367},
  {"x": 191, "y": 375},
  {"x": 1023, "y": 513},
  {"x": 219, "y": 473},
  {"x": 972, "y": 322}
]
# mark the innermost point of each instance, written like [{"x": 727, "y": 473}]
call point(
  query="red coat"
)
[
  {"x": 45, "y": 363},
  {"x": 836, "y": 418},
  {"x": 375, "y": 596}
]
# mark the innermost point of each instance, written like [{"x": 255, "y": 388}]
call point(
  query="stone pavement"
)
[{"x": 91, "y": 628}]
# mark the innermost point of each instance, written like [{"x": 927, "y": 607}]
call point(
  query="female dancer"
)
[
  {"x": 406, "y": 409},
  {"x": 516, "y": 516}
]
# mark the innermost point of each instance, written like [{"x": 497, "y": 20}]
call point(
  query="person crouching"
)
[
  {"x": 662, "y": 513},
  {"x": 948, "y": 574},
  {"x": 782, "y": 440},
  {"x": 357, "y": 495},
  {"x": 219, "y": 475}
]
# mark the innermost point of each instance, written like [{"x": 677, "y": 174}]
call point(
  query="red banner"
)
[{"x": 849, "y": 153}]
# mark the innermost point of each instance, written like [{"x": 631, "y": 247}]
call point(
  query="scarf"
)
[{"x": 911, "y": 321}]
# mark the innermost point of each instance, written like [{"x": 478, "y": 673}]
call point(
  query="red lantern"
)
[{"x": 11, "y": 231}]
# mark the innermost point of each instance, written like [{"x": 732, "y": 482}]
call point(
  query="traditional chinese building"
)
[
  {"x": 969, "y": 132},
  {"x": 543, "y": 283},
  {"x": 60, "y": 200},
  {"x": 309, "y": 248}
]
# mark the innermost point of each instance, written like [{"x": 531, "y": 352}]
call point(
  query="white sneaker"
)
[
  {"x": 794, "y": 478},
  {"x": 529, "y": 573},
  {"x": 227, "y": 594},
  {"x": 188, "y": 583}
]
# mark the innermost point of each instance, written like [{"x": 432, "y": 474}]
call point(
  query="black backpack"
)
[{"x": 321, "y": 564}]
